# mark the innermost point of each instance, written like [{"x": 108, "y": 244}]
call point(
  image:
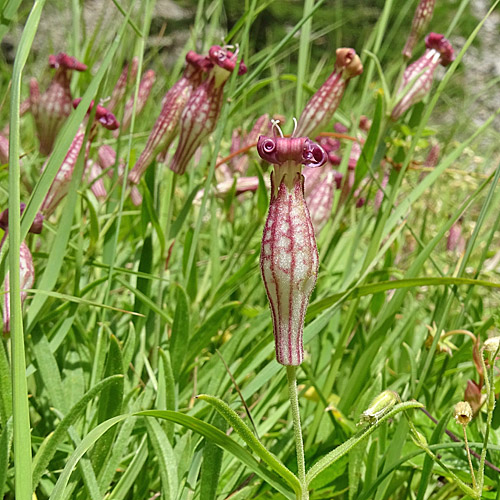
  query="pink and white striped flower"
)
[
  {"x": 289, "y": 256},
  {"x": 199, "y": 117},
  {"x": 51, "y": 108},
  {"x": 166, "y": 126},
  {"x": 417, "y": 78},
  {"x": 421, "y": 19},
  {"x": 321, "y": 107}
]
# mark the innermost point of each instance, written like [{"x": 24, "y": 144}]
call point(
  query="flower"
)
[
  {"x": 463, "y": 413},
  {"x": 202, "y": 110},
  {"x": 421, "y": 19},
  {"x": 4, "y": 150},
  {"x": 60, "y": 185},
  {"x": 289, "y": 256},
  {"x": 166, "y": 126},
  {"x": 417, "y": 78},
  {"x": 51, "y": 109},
  {"x": 320, "y": 109}
]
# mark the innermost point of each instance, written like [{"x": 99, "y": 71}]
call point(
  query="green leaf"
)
[
  {"x": 359, "y": 291},
  {"x": 225, "y": 442},
  {"x": 166, "y": 459},
  {"x": 180, "y": 331},
  {"x": 254, "y": 444},
  {"x": 5, "y": 444},
  {"x": 51, "y": 443}
]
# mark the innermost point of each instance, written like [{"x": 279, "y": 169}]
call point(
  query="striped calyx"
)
[
  {"x": 289, "y": 256},
  {"x": 51, "y": 108},
  {"x": 321, "y": 107},
  {"x": 417, "y": 78},
  {"x": 421, "y": 19},
  {"x": 199, "y": 117}
]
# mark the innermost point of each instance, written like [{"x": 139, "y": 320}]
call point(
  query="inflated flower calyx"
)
[
  {"x": 51, "y": 108},
  {"x": 200, "y": 115},
  {"x": 289, "y": 257},
  {"x": 321, "y": 107}
]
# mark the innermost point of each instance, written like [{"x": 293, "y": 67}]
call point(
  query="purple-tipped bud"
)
[
  {"x": 145, "y": 88},
  {"x": 166, "y": 126},
  {"x": 321, "y": 107},
  {"x": 289, "y": 257},
  {"x": 60, "y": 186},
  {"x": 417, "y": 78},
  {"x": 36, "y": 227},
  {"x": 27, "y": 278},
  {"x": 199, "y": 117},
  {"x": 128, "y": 73},
  {"x": 51, "y": 109},
  {"x": 421, "y": 20}
]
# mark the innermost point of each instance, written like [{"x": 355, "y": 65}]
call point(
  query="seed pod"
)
[
  {"x": 289, "y": 256},
  {"x": 463, "y": 413}
]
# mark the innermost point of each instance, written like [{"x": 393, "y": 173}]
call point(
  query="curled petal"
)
[
  {"x": 440, "y": 44},
  {"x": 299, "y": 150},
  {"x": 64, "y": 61}
]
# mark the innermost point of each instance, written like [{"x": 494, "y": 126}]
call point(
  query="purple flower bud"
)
[
  {"x": 421, "y": 20},
  {"x": 199, "y": 117},
  {"x": 166, "y": 126},
  {"x": 145, "y": 88},
  {"x": 289, "y": 257},
  {"x": 27, "y": 278},
  {"x": 36, "y": 227},
  {"x": 323, "y": 104},
  {"x": 51, "y": 109},
  {"x": 128, "y": 73},
  {"x": 417, "y": 78}
]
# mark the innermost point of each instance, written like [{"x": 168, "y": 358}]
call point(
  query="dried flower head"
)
[
  {"x": 492, "y": 345},
  {"x": 463, "y": 413}
]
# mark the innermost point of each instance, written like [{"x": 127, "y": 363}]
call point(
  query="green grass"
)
[{"x": 136, "y": 311}]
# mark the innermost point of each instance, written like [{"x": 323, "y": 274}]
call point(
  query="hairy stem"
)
[{"x": 291, "y": 372}]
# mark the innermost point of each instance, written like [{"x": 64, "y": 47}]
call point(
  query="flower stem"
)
[{"x": 291, "y": 372}]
